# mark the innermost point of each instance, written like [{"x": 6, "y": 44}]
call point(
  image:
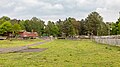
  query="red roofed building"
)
[{"x": 25, "y": 34}]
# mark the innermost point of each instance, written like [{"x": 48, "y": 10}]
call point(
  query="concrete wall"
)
[{"x": 109, "y": 41}]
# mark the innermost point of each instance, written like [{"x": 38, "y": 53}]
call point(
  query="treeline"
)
[
  {"x": 91, "y": 25},
  {"x": 114, "y": 27}
]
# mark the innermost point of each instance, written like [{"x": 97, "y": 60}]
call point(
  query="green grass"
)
[
  {"x": 65, "y": 53},
  {"x": 17, "y": 43}
]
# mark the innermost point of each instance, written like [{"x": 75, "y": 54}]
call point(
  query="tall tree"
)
[
  {"x": 59, "y": 24},
  {"x": 68, "y": 28},
  {"x": 35, "y": 24},
  {"x": 94, "y": 22},
  {"x": 52, "y": 29},
  {"x": 76, "y": 25},
  {"x": 82, "y": 27}
]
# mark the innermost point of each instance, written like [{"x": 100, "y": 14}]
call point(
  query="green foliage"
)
[
  {"x": 8, "y": 25},
  {"x": 82, "y": 27},
  {"x": 22, "y": 24},
  {"x": 103, "y": 30},
  {"x": 76, "y": 26},
  {"x": 4, "y": 19},
  {"x": 34, "y": 24},
  {"x": 5, "y": 27},
  {"x": 27, "y": 25},
  {"x": 115, "y": 27},
  {"x": 119, "y": 28},
  {"x": 59, "y": 24},
  {"x": 51, "y": 29},
  {"x": 16, "y": 28},
  {"x": 113, "y": 31},
  {"x": 95, "y": 24},
  {"x": 68, "y": 28}
]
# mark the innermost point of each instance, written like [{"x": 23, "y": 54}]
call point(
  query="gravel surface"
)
[{"x": 24, "y": 48}]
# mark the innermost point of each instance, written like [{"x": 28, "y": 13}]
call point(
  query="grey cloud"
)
[{"x": 55, "y": 9}]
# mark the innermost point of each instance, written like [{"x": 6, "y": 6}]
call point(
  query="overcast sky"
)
[{"x": 59, "y": 9}]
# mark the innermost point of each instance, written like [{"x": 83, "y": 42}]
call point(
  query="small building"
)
[{"x": 25, "y": 34}]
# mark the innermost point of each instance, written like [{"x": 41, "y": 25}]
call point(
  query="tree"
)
[
  {"x": 119, "y": 28},
  {"x": 82, "y": 27},
  {"x": 14, "y": 21},
  {"x": 5, "y": 27},
  {"x": 37, "y": 25},
  {"x": 113, "y": 26},
  {"x": 22, "y": 24},
  {"x": 103, "y": 29},
  {"x": 94, "y": 23},
  {"x": 16, "y": 28},
  {"x": 52, "y": 29},
  {"x": 46, "y": 31},
  {"x": 68, "y": 28},
  {"x": 75, "y": 24},
  {"x": 34, "y": 24},
  {"x": 4, "y": 19},
  {"x": 59, "y": 25},
  {"x": 27, "y": 25}
]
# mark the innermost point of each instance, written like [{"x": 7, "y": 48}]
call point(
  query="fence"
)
[{"x": 111, "y": 40}]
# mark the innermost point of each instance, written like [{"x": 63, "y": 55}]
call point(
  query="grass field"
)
[
  {"x": 17, "y": 43},
  {"x": 65, "y": 53}
]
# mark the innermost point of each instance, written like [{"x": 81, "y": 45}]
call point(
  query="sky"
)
[{"x": 59, "y": 9}]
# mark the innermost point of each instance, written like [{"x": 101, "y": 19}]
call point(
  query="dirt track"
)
[{"x": 24, "y": 48}]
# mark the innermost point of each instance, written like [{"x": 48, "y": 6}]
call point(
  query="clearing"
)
[{"x": 65, "y": 53}]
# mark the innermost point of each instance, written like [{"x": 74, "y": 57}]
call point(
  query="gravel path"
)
[{"x": 23, "y": 48}]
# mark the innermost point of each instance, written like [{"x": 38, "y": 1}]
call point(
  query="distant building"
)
[
  {"x": 22, "y": 34},
  {"x": 25, "y": 34}
]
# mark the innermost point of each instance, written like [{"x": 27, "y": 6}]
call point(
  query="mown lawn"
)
[
  {"x": 65, "y": 53},
  {"x": 17, "y": 43}
]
